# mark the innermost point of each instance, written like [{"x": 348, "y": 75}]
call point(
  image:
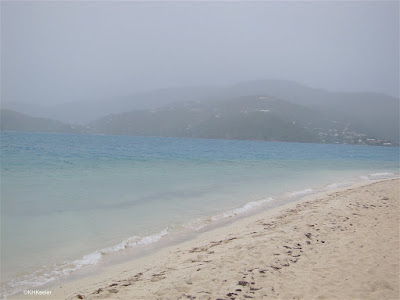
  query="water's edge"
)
[{"x": 135, "y": 247}]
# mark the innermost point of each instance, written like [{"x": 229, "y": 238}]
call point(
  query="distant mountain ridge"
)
[
  {"x": 295, "y": 113},
  {"x": 257, "y": 117},
  {"x": 15, "y": 121},
  {"x": 87, "y": 111},
  {"x": 251, "y": 117}
]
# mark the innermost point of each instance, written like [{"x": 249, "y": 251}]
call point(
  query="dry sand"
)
[{"x": 341, "y": 244}]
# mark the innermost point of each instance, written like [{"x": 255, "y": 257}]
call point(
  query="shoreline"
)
[{"x": 338, "y": 244}]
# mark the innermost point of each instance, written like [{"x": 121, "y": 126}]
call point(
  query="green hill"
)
[
  {"x": 14, "y": 121},
  {"x": 261, "y": 110},
  {"x": 257, "y": 117}
]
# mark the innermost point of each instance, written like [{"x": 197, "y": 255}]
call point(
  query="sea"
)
[{"x": 74, "y": 203}]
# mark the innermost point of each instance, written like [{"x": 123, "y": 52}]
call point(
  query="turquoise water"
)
[{"x": 68, "y": 201}]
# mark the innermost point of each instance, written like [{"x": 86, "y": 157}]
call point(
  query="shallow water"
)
[{"x": 67, "y": 201}]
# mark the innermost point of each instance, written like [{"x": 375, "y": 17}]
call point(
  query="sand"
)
[{"x": 341, "y": 244}]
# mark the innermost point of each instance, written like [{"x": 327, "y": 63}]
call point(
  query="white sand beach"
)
[{"x": 340, "y": 244}]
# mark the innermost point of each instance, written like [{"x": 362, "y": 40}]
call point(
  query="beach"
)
[
  {"x": 339, "y": 244},
  {"x": 101, "y": 203}
]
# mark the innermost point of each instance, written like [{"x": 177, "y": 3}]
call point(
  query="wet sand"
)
[{"x": 340, "y": 244}]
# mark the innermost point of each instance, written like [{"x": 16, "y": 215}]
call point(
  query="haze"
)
[{"x": 56, "y": 52}]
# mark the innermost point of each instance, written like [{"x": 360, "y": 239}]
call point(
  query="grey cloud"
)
[{"x": 53, "y": 52}]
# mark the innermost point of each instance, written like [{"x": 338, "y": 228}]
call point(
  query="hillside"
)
[
  {"x": 257, "y": 117},
  {"x": 372, "y": 114},
  {"x": 295, "y": 113},
  {"x": 83, "y": 112},
  {"x": 14, "y": 121},
  {"x": 242, "y": 118}
]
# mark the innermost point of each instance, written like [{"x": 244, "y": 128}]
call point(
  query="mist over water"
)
[{"x": 68, "y": 200}]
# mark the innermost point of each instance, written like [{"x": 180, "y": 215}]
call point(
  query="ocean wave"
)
[
  {"x": 49, "y": 274},
  {"x": 151, "y": 239},
  {"x": 333, "y": 186},
  {"x": 121, "y": 246},
  {"x": 199, "y": 223},
  {"x": 301, "y": 193},
  {"x": 339, "y": 185},
  {"x": 247, "y": 207},
  {"x": 377, "y": 176},
  {"x": 382, "y": 175}
]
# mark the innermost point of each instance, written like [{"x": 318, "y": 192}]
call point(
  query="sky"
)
[{"x": 65, "y": 51}]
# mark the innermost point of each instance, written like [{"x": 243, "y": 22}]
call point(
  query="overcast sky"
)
[{"x": 54, "y": 52}]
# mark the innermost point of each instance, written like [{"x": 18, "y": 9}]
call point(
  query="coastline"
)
[{"x": 338, "y": 244}]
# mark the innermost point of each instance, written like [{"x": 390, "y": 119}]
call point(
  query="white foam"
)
[
  {"x": 199, "y": 223},
  {"x": 333, "y": 186},
  {"x": 151, "y": 239},
  {"x": 250, "y": 206},
  {"x": 381, "y": 175},
  {"x": 301, "y": 193},
  {"x": 32, "y": 280},
  {"x": 240, "y": 210},
  {"x": 121, "y": 246},
  {"x": 196, "y": 224},
  {"x": 46, "y": 274},
  {"x": 90, "y": 259},
  {"x": 376, "y": 176},
  {"x": 338, "y": 185},
  {"x": 135, "y": 241}
]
